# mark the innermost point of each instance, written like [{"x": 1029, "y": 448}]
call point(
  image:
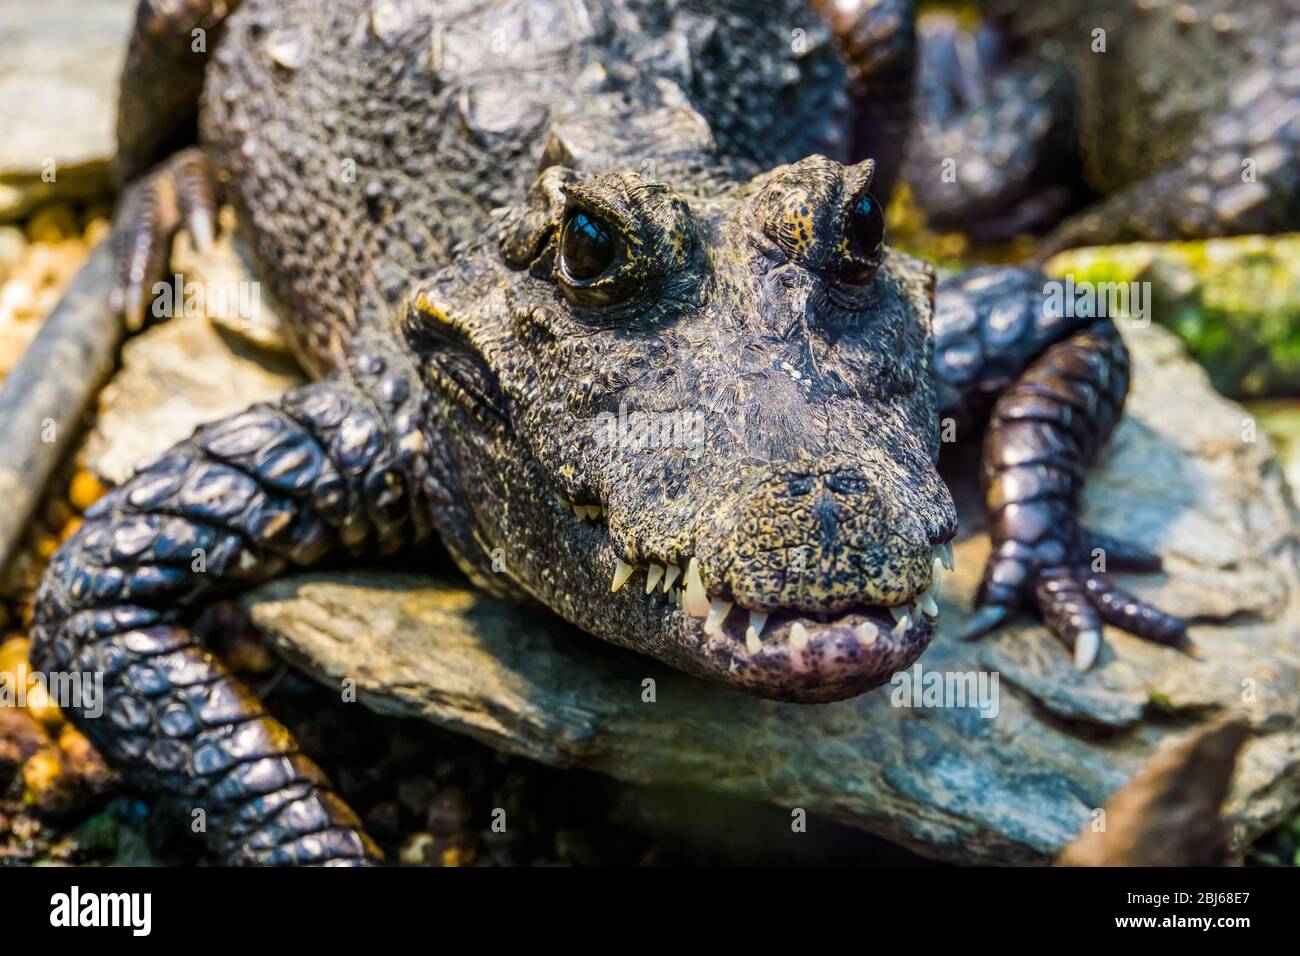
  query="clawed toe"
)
[
  {"x": 984, "y": 620},
  {"x": 178, "y": 193},
  {"x": 1075, "y": 603}
]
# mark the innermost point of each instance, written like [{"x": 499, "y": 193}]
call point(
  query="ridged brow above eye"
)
[
  {"x": 799, "y": 223},
  {"x": 813, "y": 211}
]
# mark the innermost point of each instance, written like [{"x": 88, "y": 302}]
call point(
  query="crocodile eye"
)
[
  {"x": 867, "y": 228},
  {"x": 588, "y": 246}
]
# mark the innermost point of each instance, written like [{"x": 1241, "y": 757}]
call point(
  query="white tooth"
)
[
  {"x": 622, "y": 571},
  {"x": 945, "y": 552},
  {"x": 652, "y": 577},
  {"x": 902, "y": 626},
  {"x": 671, "y": 575},
  {"x": 928, "y": 607},
  {"x": 798, "y": 636},
  {"x": 866, "y": 633},
  {"x": 752, "y": 643},
  {"x": 936, "y": 576},
  {"x": 1085, "y": 649},
  {"x": 757, "y": 621},
  {"x": 718, "y": 611},
  {"x": 697, "y": 600},
  {"x": 899, "y": 612}
]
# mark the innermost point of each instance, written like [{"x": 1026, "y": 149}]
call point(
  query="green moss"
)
[{"x": 1161, "y": 702}]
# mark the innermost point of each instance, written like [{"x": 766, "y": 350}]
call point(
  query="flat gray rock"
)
[
  {"x": 60, "y": 61},
  {"x": 1184, "y": 475},
  {"x": 223, "y": 351}
]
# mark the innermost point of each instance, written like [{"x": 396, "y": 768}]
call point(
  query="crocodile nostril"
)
[
  {"x": 800, "y": 485},
  {"x": 848, "y": 484}
]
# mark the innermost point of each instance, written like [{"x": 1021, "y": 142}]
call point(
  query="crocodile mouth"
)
[{"x": 785, "y": 653}]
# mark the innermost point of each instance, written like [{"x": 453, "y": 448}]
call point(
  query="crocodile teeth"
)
[
  {"x": 936, "y": 575},
  {"x": 901, "y": 611},
  {"x": 753, "y": 633},
  {"x": 946, "y": 556},
  {"x": 798, "y": 636},
  {"x": 903, "y": 624},
  {"x": 697, "y": 601},
  {"x": 718, "y": 611},
  {"x": 652, "y": 577},
  {"x": 928, "y": 607},
  {"x": 866, "y": 633},
  {"x": 671, "y": 575},
  {"x": 622, "y": 571}
]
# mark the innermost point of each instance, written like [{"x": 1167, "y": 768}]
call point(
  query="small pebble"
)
[
  {"x": 417, "y": 850},
  {"x": 46, "y": 545},
  {"x": 85, "y": 490},
  {"x": 82, "y": 759},
  {"x": 458, "y": 854},
  {"x": 52, "y": 224},
  {"x": 42, "y": 706},
  {"x": 12, "y": 245},
  {"x": 96, "y": 231},
  {"x": 57, "y": 513},
  {"x": 20, "y": 738},
  {"x": 48, "y": 783}
]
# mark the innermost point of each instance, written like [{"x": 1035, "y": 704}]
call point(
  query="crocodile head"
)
[{"x": 701, "y": 427}]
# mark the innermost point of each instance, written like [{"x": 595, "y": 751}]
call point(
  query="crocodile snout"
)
[{"x": 823, "y": 537}]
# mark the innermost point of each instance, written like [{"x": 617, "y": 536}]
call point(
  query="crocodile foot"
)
[{"x": 179, "y": 192}]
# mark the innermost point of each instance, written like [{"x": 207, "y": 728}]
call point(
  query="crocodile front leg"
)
[
  {"x": 158, "y": 104},
  {"x": 1056, "y": 386},
  {"x": 328, "y": 470},
  {"x": 162, "y": 79}
]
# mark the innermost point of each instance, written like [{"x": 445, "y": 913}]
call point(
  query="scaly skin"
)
[
  {"x": 665, "y": 251},
  {"x": 1158, "y": 125}
]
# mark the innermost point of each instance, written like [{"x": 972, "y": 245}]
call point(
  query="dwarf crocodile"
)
[{"x": 513, "y": 239}]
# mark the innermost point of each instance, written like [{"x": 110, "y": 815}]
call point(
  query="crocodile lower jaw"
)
[
  {"x": 784, "y": 653},
  {"x": 810, "y": 660}
]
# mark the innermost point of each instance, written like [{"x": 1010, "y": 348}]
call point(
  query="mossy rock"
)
[{"x": 1234, "y": 302}]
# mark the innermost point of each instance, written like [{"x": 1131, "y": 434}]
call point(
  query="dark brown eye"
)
[
  {"x": 866, "y": 236},
  {"x": 867, "y": 224},
  {"x": 588, "y": 246}
]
